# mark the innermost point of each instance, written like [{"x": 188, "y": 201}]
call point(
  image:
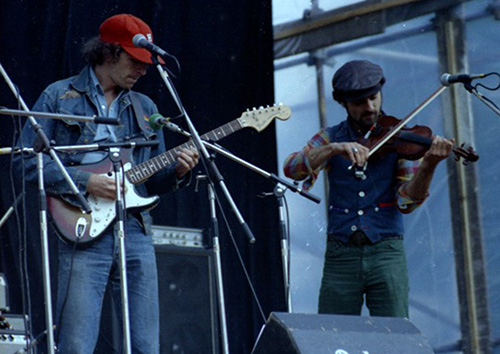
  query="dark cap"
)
[{"x": 357, "y": 79}]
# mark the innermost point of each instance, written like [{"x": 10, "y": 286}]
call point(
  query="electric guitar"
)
[{"x": 73, "y": 225}]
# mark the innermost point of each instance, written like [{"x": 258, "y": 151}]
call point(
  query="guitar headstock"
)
[{"x": 260, "y": 118}]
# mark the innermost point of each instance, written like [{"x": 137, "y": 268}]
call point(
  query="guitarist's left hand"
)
[{"x": 187, "y": 159}]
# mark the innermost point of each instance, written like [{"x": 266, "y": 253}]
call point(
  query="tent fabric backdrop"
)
[{"x": 226, "y": 66}]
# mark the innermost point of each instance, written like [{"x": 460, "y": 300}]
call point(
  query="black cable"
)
[
  {"x": 176, "y": 63},
  {"x": 22, "y": 229},
  {"x": 59, "y": 323},
  {"x": 486, "y": 87},
  {"x": 287, "y": 223}
]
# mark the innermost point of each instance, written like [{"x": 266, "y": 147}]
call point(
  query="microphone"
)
[
  {"x": 140, "y": 41},
  {"x": 447, "y": 79},
  {"x": 157, "y": 121}
]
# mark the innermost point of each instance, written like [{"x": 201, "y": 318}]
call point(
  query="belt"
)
[{"x": 357, "y": 239}]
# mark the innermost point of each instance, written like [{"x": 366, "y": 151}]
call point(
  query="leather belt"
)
[{"x": 357, "y": 239}]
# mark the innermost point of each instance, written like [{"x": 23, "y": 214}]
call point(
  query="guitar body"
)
[{"x": 73, "y": 225}]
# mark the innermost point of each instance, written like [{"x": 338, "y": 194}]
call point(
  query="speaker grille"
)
[{"x": 188, "y": 304}]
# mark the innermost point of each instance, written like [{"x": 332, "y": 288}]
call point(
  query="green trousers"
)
[{"x": 376, "y": 273}]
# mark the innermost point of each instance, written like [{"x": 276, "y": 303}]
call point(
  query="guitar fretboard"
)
[{"x": 141, "y": 172}]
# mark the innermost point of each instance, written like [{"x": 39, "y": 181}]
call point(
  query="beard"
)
[{"x": 365, "y": 121}]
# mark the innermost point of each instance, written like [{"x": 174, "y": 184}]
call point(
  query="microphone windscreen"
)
[
  {"x": 444, "y": 79},
  {"x": 154, "y": 121},
  {"x": 136, "y": 40}
]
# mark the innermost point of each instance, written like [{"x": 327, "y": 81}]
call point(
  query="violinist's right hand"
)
[{"x": 353, "y": 151}]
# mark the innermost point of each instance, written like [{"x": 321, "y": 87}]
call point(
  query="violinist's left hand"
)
[{"x": 440, "y": 149}]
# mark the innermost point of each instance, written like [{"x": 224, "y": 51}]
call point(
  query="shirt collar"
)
[
  {"x": 95, "y": 82},
  {"x": 96, "y": 85}
]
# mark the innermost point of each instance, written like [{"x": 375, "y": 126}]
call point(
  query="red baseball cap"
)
[{"x": 120, "y": 29}]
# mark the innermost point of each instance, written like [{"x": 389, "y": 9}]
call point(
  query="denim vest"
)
[
  {"x": 73, "y": 96},
  {"x": 367, "y": 205}
]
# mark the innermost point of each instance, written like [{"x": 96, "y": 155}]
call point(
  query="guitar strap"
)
[{"x": 142, "y": 119}]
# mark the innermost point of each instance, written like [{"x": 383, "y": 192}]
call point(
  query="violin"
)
[
  {"x": 408, "y": 143},
  {"x": 390, "y": 134}
]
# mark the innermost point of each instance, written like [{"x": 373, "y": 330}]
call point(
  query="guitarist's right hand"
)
[{"x": 102, "y": 186}]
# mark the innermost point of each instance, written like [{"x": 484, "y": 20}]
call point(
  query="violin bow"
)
[{"x": 406, "y": 120}]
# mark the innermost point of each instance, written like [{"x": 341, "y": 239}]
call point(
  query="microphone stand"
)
[
  {"x": 28, "y": 113},
  {"x": 115, "y": 157},
  {"x": 120, "y": 205},
  {"x": 218, "y": 264},
  {"x": 212, "y": 168},
  {"x": 45, "y": 145},
  {"x": 279, "y": 191},
  {"x": 43, "y": 209},
  {"x": 213, "y": 172},
  {"x": 215, "y": 147}
]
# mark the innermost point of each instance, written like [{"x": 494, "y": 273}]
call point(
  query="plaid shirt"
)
[{"x": 297, "y": 167}]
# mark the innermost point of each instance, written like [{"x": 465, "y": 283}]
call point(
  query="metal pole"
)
[
  {"x": 218, "y": 268},
  {"x": 44, "y": 236},
  {"x": 114, "y": 154},
  {"x": 464, "y": 203}
]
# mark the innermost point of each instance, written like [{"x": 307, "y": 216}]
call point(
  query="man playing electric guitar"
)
[{"x": 103, "y": 88}]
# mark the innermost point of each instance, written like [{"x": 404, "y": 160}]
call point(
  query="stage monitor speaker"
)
[
  {"x": 188, "y": 301},
  {"x": 288, "y": 333}
]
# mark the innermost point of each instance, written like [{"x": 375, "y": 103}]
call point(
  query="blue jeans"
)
[
  {"x": 89, "y": 270},
  {"x": 377, "y": 272}
]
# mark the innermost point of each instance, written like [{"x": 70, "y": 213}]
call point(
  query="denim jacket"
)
[{"x": 72, "y": 96}]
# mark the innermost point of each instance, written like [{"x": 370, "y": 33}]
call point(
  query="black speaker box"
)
[
  {"x": 287, "y": 333},
  {"x": 188, "y": 304},
  {"x": 188, "y": 301}
]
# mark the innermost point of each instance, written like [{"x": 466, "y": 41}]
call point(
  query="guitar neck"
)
[{"x": 145, "y": 170}]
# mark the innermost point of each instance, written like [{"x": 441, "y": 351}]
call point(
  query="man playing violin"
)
[{"x": 365, "y": 256}]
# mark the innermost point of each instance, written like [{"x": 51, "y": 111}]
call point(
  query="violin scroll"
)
[{"x": 467, "y": 153}]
